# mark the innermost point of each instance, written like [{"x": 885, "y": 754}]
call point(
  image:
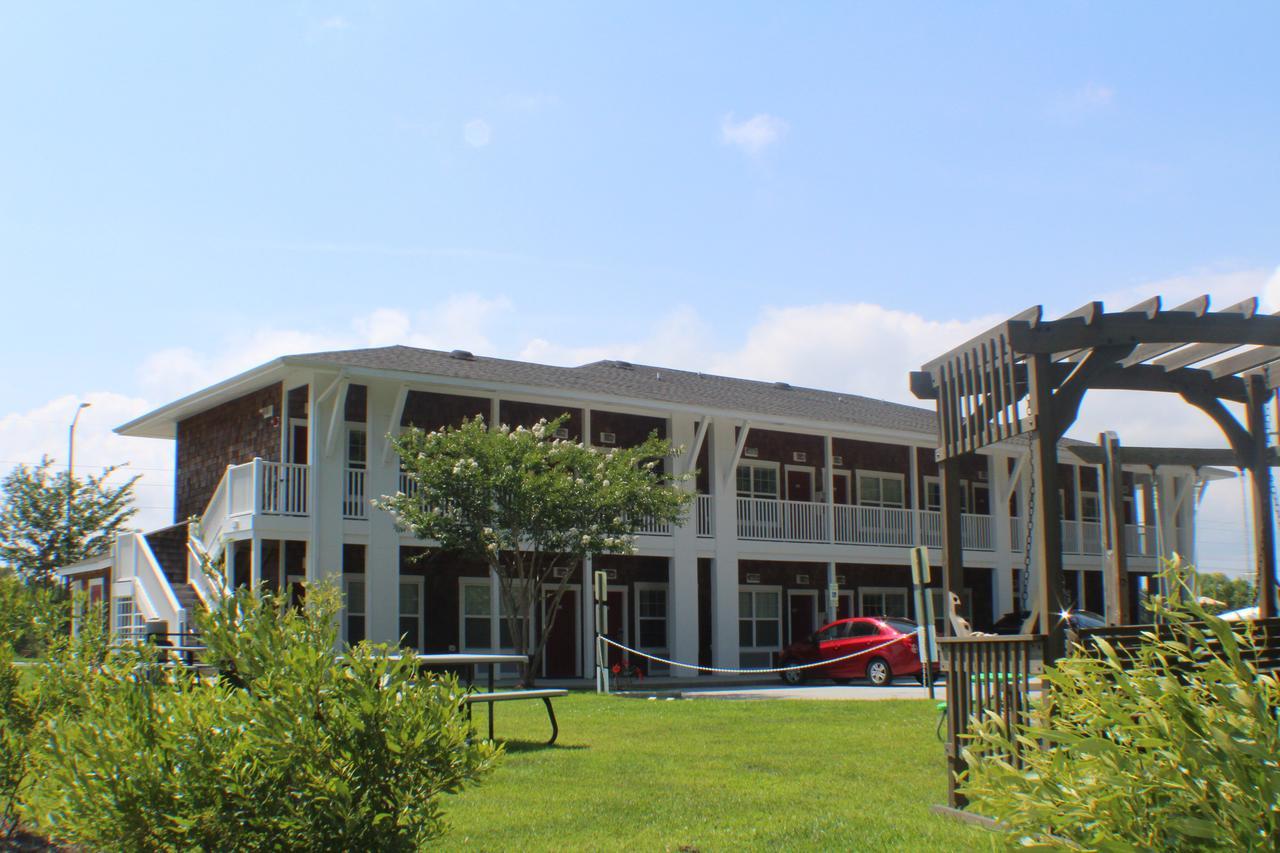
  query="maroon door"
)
[
  {"x": 617, "y": 625},
  {"x": 561, "y": 656},
  {"x": 799, "y": 485},
  {"x": 801, "y": 612},
  {"x": 840, "y": 490}
]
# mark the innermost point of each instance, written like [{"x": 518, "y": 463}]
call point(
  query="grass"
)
[{"x": 713, "y": 775}]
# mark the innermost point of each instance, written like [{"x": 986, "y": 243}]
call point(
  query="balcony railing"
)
[
  {"x": 283, "y": 488},
  {"x": 354, "y": 503},
  {"x": 706, "y": 516},
  {"x": 785, "y": 521},
  {"x": 1085, "y": 538}
]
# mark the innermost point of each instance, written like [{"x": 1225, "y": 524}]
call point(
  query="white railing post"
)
[{"x": 256, "y": 487}]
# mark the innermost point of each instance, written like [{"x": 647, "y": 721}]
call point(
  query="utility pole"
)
[{"x": 71, "y": 456}]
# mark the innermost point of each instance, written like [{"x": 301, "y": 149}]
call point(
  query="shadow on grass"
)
[{"x": 539, "y": 746}]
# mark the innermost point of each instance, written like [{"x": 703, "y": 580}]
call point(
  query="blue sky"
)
[{"x": 818, "y": 193}]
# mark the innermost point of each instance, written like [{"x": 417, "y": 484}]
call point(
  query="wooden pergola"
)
[{"x": 1028, "y": 376}]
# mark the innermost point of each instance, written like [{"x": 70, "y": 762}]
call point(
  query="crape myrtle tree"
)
[
  {"x": 35, "y": 536},
  {"x": 527, "y": 504}
]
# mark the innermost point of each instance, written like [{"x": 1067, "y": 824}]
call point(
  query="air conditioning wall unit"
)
[
  {"x": 802, "y": 578},
  {"x": 608, "y": 438},
  {"x": 752, "y": 577},
  {"x": 799, "y": 456},
  {"x": 751, "y": 452},
  {"x": 837, "y": 460},
  {"x": 562, "y": 432}
]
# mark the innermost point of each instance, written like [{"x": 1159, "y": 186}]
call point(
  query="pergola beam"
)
[{"x": 1164, "y": 327}]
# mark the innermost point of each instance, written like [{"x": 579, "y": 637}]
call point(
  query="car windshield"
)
[{"x": 902, "y": 626}]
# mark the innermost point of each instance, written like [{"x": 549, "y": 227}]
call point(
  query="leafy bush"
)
[
  {"x": 294, "y": 750},
  {"x": 1174, "y": 747}
]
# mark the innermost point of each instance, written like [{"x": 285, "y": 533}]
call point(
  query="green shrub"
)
[
  {"x": 295, "y": 750},
  {"x": 1173, "y": 748}
]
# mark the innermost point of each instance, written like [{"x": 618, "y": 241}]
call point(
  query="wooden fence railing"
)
[
  {"x": 1265, "y": 652},
  {"x": 986, "y": 674}
]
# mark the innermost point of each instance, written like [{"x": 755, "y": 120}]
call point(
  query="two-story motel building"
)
[{"x": 798, "y": 491}]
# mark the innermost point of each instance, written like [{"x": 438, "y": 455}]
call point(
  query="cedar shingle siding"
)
[{"x": 230, "y": 434}]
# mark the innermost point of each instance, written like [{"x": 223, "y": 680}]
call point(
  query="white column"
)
[
  {"x": 1186, "y": 517},
  {"x": 325, "y": 484},
  {"x": 724, "y": 571},
  {"x": 586, "y": 602},
  {"x": 682, "y": 586},
  {"x": 1003, "y": 580},
  {"x": 913, "y": 472},
  {"x": 382, "y": 557}
]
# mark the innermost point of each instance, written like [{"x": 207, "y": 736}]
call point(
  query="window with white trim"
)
[
  {"x": 933, "y": 494},
  {"x": 484, "y": 622},
  {"x": 353, "y": 609},
  {"x": 127, "y": 621},
  {"x": 1090, "y": 507},
  {"x": 757, "y": 480},
  {"x": 357, "y": 447},
  {"x": 759, "y": 618},
  {"x": 884, "y": 601},
  {"x": 411, "y": 611},
  {"x": 880, "y": 489},
  {"x": 651, "y": 615}
]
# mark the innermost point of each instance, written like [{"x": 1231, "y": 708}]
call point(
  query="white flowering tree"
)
[{"x": 528, "y": 504}]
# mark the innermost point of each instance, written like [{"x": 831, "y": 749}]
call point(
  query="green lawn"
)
[{"x": 713, "y": 775}]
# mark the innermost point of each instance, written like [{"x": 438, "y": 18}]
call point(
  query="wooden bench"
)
[{"x": 493, "y": 697}]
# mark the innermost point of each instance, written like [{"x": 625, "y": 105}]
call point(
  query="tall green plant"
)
[
  {"x": 295, "y": 749},
  {"x": 1173, "y": 747}
]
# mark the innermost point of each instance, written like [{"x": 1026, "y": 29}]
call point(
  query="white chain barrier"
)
[{"x": 761, "y": 670}]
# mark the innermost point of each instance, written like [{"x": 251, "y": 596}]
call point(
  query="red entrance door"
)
[
  {"x": 800, "y": 609},
  {"x": 617, "y": 625},
  {"x": 799, "y": 485},
  {"x": 561, "y": 656}
]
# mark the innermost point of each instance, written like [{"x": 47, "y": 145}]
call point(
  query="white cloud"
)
[
  {"x": 477, "y": 133},
  {"x": 1090, "y": 99},
  {"x": 752, "y": 135}
]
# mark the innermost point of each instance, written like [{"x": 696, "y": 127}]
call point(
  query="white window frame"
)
[
  {"x": 1097, "y": 498},
  {"x": 347, "y": 610},
  {"x": 638, "y": 618},
  {"x": 838, "y": 474},
  {"x": 881, "y": 475},
  {"x": 755, "y": 589},
  {"x": 495, "y": 616},
  {"x": 930, "y": 480},
  {"x": 418, "y": 581},
  {"x": 751, "y": 463},
  {"x": 353, "y": 427},
  {"x": 813, "y": 480},
  {"x": 896, "y": 591}
]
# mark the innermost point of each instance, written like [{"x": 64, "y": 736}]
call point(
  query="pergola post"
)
[
  {"x": 1264, "y": 537},
  {"x": 1117, "y": 572},
  {"x": 952, "y": 536},
  {"x": 1048, "y": 512}
]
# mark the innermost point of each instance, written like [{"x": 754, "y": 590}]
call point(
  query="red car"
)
[{"x": 892, "y": 657}]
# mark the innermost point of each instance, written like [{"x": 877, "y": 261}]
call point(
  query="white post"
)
[
  {"x": 829, "y": 486},
  {"x": 382, "y": 554},
  {"x": 588, "y": 610},
  {"x": 913, "y": 469},
  {"x": 682, "y": 572},
  {"x": 724, "y": 570}
]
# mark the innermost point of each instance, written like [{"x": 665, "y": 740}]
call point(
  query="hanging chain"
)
[{"x": 1029, "y": 526}]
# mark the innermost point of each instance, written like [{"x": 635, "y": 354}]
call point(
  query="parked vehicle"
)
[{"x": 892, "y": 656}]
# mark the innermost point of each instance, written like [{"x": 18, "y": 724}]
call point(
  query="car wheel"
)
[
  {"x": 879, "y": 673},
  {"x": 791, "y": 676}
]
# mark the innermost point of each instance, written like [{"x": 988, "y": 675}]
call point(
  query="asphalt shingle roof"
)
[{"x": 647, "y": 382}]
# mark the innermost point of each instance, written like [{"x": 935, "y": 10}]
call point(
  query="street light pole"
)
[{"x": 71, "y": 456}]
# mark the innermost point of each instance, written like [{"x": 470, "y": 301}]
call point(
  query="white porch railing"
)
[
  {"x": 154, "y": 598},
  {"x": 283, "y": 487},
  {"x": 408, "y": 485},
  {"x": 706, "y": 516},
  {"x": 977, "y": 532},
  {"x": 354, "y": 503},
  {"x": 786, "y": 521},
  {"x": 649, "y": 527},
  {"x": 874, "y": 525},
  {"x": 1085, "y": 538}
]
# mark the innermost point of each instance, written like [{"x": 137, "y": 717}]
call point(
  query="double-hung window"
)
[
  {"x": 757, "y": 481},
  {"x": 353, "y": 609},
  {"x": 759, "y": 618},
  {"x": 881, "y": 602},
  {"x": 411, "y": 612},
  {"x": 882, "y": 490},
  {"x": 651, "y": 615},
  {"x": 484, "y": 617}
]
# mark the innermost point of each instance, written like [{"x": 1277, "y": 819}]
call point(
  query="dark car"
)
[
  {"x": 890, "y": 644},
  {"x": 1011, "y": 623}
]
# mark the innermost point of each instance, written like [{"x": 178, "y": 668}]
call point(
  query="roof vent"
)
[
  {"x": 462, "y": 355},
  {"x": 622, "y": 365},
  {"x": 782, "y": 386}
]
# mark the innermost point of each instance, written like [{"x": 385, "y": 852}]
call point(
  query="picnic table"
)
[{"x": 469, "y": 661}]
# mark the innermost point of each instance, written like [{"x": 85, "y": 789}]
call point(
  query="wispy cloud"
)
[
  {"x": 752, "y": 135},
  {"x": 1087, "y": 100},
  {"x": 477, "y": 133}
]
